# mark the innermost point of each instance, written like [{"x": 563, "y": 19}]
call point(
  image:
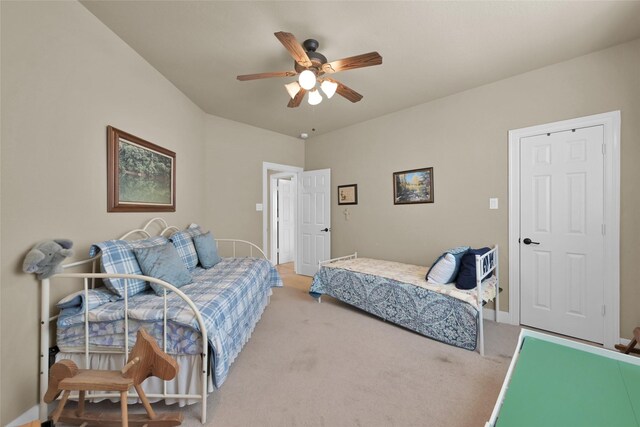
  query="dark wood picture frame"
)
[
  {"x": 344, "y": 196},
  {"x": 413, "y": 186},
  {"x": 141, "y": 176}
]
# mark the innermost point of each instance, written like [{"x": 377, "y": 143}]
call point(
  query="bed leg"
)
[
  {"x": 203, "y": 417},
  {"x": 319, "y": 300},
  {"x": 481, "y": 331},
  {"x": 44, "y": 348}
]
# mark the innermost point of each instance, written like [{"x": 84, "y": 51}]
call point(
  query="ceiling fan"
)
[{"x": 311, "y": 66}]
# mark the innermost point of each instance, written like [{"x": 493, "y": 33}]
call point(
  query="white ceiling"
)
[{"x": 429, "y": 49}]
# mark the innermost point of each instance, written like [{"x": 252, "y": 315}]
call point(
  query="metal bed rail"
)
[
  {"x": 252, "y": 246},
  {"x": 352, "y": 256},
  {"x": 485, "y": 265},
  {"x": 46, "y": 320}
]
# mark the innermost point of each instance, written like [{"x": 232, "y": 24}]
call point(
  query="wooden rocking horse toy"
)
[{"x": 145, "y": 360}]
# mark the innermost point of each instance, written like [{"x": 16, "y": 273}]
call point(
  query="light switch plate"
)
[
  {"x": 259, "y": 207},
  {"x": 493, "y": 203}
]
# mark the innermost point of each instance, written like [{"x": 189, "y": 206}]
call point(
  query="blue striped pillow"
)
[{"x": 118, "y": 258}]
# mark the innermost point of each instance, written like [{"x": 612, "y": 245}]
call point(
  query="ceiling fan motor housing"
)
[{"x": 316, "y": 58}]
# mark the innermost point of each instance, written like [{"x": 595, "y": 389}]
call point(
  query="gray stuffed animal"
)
[{"x": 46, "y": 256}]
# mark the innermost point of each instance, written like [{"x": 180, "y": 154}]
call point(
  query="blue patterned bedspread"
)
[
  {"x": 230, "y": 297},
  {"x": 429, "y": 313}
]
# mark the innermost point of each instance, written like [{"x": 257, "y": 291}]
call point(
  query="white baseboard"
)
[
  {"x": 490, "y": 314},
  {"x": 30, "y": 415}
]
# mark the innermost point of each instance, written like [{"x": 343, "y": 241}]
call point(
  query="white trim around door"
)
[
  {"x": 611, "y": 149},
  {"x": 275, "y": 167}
]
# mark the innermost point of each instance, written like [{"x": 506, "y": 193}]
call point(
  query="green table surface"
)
[{"x": 555, "y": 385}]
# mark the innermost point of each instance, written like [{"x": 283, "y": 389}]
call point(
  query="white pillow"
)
[{"x": 443, "y": 270}]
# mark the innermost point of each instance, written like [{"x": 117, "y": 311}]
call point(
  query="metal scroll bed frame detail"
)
[
  {"x": 89, "y": 281},
  {"x": 485, "y": 265}
]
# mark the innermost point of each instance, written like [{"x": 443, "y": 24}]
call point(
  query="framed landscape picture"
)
[
  {"x": 413, "y": 186},
  {"x": 141, "y": 176},
  {"x": 348, "y": 194}
]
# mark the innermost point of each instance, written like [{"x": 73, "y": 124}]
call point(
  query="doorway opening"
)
[
  {"x": 282, "y": 225},
  {"x": 275, "y": 172}
]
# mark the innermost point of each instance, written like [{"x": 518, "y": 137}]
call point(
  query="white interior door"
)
[
  {"x": 314, "y": 241},
  {"x": 286, "y": 223},
  {"x": 562, "y": 232}
]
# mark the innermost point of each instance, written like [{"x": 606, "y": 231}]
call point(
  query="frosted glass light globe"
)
[
  {"x": 329, "y": 88},
  {"x": 307, "y": 79},
  {"x": 293, "y": 88},
  {"x": 314, "y": 97}
]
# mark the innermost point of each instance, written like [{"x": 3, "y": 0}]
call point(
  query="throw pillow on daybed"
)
[
  {"x": 207, "y": 250},
  {"x": 118, "y": 258},
  {"x": 164, "y": 263},
  {"x": 445, "y": 269},
  {"x": 467, "y": 274},
  {"x": 183, "y": 241}
]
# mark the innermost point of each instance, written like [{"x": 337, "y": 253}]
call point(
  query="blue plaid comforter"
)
[{"x": 230, "y": 297}]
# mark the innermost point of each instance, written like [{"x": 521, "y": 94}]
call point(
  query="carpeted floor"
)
[{"x": 328, "y": 364}]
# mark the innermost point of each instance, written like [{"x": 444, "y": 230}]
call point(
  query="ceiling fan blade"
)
[
  {"x": 346, "y": 91},
  {"x": 358, "y": 61},
  {"x": 266, "y": 75},
  {"x": 295, "y": 102},
  {"x": 295, "y": 49}
]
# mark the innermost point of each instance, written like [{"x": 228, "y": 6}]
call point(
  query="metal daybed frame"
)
[{"x": 89, "y": 282}]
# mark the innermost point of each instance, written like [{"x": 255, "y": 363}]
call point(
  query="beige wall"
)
[
  {"x": 464, "y": 138},
  {"x": 234, "y": 155},
  {"x": 65, "y": 77}
]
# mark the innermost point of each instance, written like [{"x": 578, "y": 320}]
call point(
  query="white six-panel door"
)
[
  {"x": 314, "y": 238},
  {"x": 562, "y": 200}
]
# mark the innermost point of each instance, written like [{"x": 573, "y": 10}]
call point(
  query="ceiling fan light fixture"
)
[
  {"x": 293, "y": 88},
  {"x": 329, "y": 88},
  {"x": 314, "y": 97},
  {"x": 307, "y": 79}
]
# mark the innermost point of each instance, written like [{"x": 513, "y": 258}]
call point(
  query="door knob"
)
[
  {"x": 528, "y": 241},
  {"x": 326, "y": 229}
]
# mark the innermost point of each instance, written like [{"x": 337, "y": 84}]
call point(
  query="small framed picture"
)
[
  {"x": 413, "y": 186},
  {"x": 348, "y": 194}
]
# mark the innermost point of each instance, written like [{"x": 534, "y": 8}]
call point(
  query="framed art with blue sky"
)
[{"x": 413, "y": 186}]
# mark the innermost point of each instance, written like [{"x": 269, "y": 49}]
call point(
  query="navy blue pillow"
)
[{"x": 467, "y": 273}]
